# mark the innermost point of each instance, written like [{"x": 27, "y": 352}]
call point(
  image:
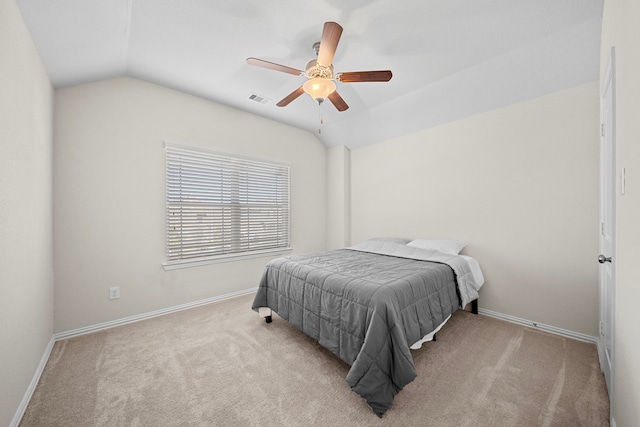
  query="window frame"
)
[{"x": 233, "y": 246}]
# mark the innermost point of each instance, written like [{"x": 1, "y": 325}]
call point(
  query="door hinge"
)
[
  {"x": 601, "y": 328},
  {"x": 601, "y": 129}
]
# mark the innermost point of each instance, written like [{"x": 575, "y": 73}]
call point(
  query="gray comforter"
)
[{"x": 365, "y": 307}]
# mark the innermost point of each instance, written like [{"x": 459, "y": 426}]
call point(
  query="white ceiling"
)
[{"x": 450, "y": 58}]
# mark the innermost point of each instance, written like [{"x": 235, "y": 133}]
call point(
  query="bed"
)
[{"x": 371, "y": 303}]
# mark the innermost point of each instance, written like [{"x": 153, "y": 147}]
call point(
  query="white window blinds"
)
[{"x": 218, "y": 205}]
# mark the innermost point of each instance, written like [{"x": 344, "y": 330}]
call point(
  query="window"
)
[{"x": 221, "y": 206}]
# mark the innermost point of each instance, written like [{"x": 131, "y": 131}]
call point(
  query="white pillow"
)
[{"x": 452, "y": 247}]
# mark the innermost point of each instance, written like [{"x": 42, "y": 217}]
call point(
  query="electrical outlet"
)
[{"x": 114, "y": 293}]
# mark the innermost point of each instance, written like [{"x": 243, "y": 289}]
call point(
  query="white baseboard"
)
[
  {"x": 32, "y": 386},
  {"x": 149, "y": 315},
  {"x": 558, "y": 331},
  {"x": 156, "y": 313}
]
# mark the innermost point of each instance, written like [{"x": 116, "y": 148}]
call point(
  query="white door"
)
[{"x": 607, "y": 217}]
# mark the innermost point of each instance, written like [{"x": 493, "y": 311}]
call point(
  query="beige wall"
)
[
  {"x": 620, "y": 29},
  {"x": 338, "y": 197},
  {"x": 519, "y": 185},
  {"x": 109, "y": 192},
  {"x": 26, "y": 276}
]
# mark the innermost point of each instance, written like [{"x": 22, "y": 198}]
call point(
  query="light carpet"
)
[{"x": 222, "y": 365}]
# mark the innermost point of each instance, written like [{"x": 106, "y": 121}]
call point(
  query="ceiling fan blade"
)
[
  {"x": 337, "y": 101},
  {"x": 365, "y": 76},
  {"x": 274, "y": 66},
  {"x": 293, "y": 95},
  {"x": 330, "y": 37}
]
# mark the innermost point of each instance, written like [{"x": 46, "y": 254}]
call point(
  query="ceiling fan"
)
[{"x": 319, "y": 72}]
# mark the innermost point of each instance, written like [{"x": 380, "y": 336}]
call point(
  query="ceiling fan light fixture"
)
[{"x": 319, "y": 88}]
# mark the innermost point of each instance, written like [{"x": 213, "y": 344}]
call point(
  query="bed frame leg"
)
[
  {"x": 474, "y": 306},
  {"x": 434, "y": 337},
  {"x": 266, "y": 313}
]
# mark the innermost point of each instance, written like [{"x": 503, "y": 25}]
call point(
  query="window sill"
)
[{"x": 175, "y": 265}]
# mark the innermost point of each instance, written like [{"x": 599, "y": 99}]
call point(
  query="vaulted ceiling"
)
[{"x": 450, "y": 58}]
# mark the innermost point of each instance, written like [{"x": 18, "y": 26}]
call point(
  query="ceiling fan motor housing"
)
[{"x": 313, "y": 69}]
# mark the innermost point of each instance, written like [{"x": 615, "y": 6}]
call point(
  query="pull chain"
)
[{"x": 320, "y": 116}]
